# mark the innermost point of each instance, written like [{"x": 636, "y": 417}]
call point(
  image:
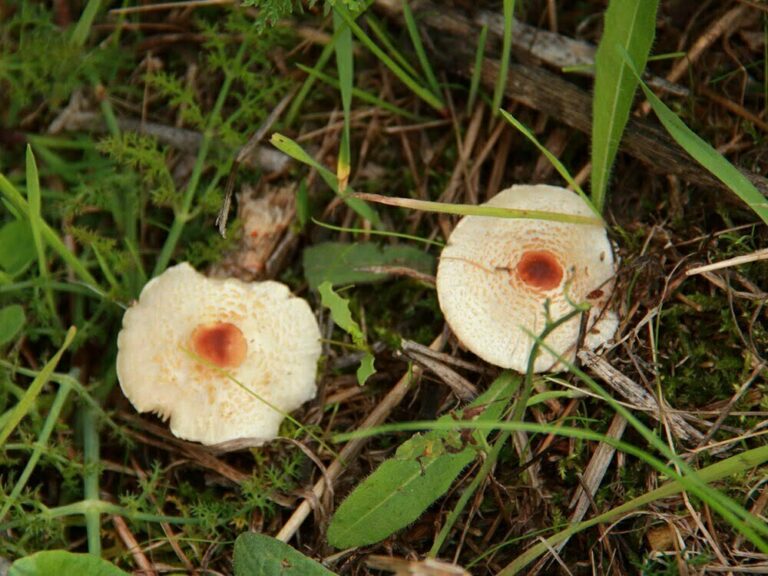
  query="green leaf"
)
[
  {"x": 340, "y": 313},
  {"x": 17, "y": 250},
  {"x": 422, "y": 470},
  {"x": 366, "y": 369},
  {"x": 343, "y": 263},
  {"x": 703, "y": 153},
  {"x": 63, "y": 562},
  {"x": 11, "y": 321},
  {"x": 261, "y": 555},
  {"x": 630, "y": 24}
]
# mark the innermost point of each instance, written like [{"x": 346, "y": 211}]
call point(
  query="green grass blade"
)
[
  {"x": 42, "y": 440},
  {"x": 295, "y": 151},
  {"x": 378, "y": 233},
  {"x": 413, "y": 31},
  {"x": 630, "y": 24},
  {"x": 561, "y": 169},
  {"x": 380, "y": 33},
  {"x": 303, "y": 92},
  {"x": 345, "y": 65},
  {"x": 83, "y": 28},
  {"x": 506, "y": 49},
  {"x": 27, "y": 401},
  {"x": 420, "y": 91},
  {"x": 703, "y": 153},
  {"x": 475, "y": 210},
  {"x": 363, "y": 95},
  {"x": 51, "y": 238},
  {"x": 35, "y": 224},
  {"x": 474, "y": 83}
]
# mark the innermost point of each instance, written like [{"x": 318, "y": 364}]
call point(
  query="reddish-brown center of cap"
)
[
  {"x": 221, "y": 343},
  {"x": 540, "y": 269}
]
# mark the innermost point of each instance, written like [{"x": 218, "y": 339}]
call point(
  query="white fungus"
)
[
  {"x": 496, "y": 274},
  {"x": 189, "y": 340}
]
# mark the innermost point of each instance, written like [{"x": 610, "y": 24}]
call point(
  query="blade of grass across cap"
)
[
  {"x": 413, "y": 32},
  {"x": 420, "y": 91},
  {"x": 378, "y": 233},
  {"x": 295, "y": 151},
  {"x": 363, "y": 95},
  {"x": 561, "y": 169},
  {"x": 630, "y": 24},
  {"x": 474, "y": 83},
  {"x": 36, "y": 224},
  {"x": 506, "y": 49},
  {"x": 734, "y": 465},
  {"x": 345, "y": 64},
  {"x": 475, "y": 210},
  {"x": 702, "y": 152}
]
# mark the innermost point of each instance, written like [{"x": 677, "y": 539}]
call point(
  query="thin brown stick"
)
[{"x": 145, "y": 566}]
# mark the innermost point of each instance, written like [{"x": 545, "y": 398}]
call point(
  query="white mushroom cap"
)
[
  {"x": 258, "y": 333},
  {"x": 496, "y": 274}
]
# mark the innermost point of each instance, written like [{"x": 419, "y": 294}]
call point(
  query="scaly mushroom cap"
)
[
  {"x": 258, "y": 333},
  {"x": 495, "y": 275}
]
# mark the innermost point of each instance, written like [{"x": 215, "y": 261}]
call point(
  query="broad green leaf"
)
[
  {"x": 703, "y": 153},
  {"x": 17, "y": 249},
  {"x": 422, "y": 470},
  {"x": 62, "y": 562},
  {"x": 261, "y": 555},
  {"x": 11, "y": 321},
  {"x": 630, "y": 24},
  {"x": 295, "y": 151},
  {"x": 347, "y": 263}
]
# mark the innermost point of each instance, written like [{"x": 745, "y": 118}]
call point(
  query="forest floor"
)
[{"x": 123, "y": 130}]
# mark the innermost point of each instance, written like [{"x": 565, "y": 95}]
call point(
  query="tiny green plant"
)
[{"x": 342, "y": 316}]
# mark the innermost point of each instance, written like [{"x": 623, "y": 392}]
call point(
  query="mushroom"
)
[
  {"x": 223, "y": 359},
  {"x": 498, "y": 276}
]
